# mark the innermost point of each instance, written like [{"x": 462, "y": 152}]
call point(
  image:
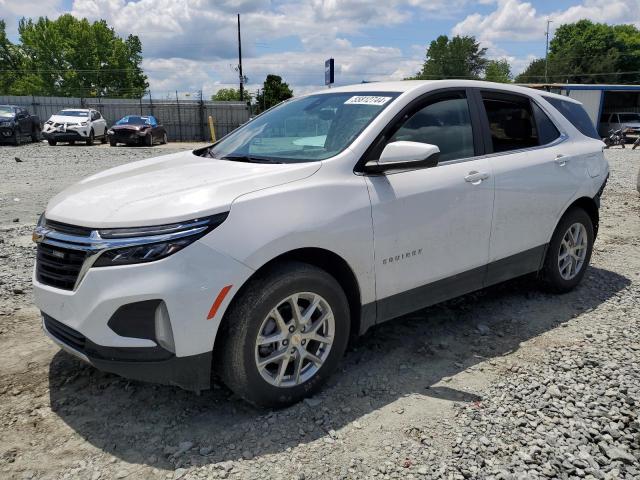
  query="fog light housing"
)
[{"x": 164, "y": 333}]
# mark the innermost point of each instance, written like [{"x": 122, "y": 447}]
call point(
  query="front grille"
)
[
  {"x": 58, "y": 267},
  {"x": 65, "y": 334}
]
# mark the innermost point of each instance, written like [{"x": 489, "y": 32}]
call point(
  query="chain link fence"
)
[{"x": 185, "y": 120}]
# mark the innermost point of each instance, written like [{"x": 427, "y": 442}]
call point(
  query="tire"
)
[
  {"x": 164, "y": 139},
  {"x": 148, "y": 140},
  {"x": 35, "y": 135},
  {"x": 113, "y": 143},
  {"x": 72, "y": 142},
  {"x": 104, "y": 139},
  {"x": 90, "y": 138},
  {"x": 52, "y": 142},
  {"x": 18, "y": 134},
  {"x": 251, "y": 312},
  {"x": 552, "y": 277}
]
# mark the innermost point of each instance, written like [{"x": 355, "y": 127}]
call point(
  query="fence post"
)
[
  {"x": 202, "y": 134},
  {"x": 179, "y": 117},
  {"x": 151, "y": 104}
]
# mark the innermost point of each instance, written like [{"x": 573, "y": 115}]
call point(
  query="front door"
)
[{"x": 432, "y": 226}]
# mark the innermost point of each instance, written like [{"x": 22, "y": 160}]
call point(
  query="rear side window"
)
[
  {"x": 443, "y": 122},
  {"x": 547, "y": 131},
  {"x": 576, "y": 115},
  {"x": 511, "y": 122}
]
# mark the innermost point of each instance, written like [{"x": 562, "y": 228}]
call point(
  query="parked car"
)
[
  {"x": 259, "y": 256},
  {"x": 17, "y": 124},
  {"x": 137, "y": 130},
  {"x": 628, "y": 122},
  {"x": 75, "y": 124}
]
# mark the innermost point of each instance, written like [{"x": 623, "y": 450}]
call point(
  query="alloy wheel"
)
[
  {"x": 573, "y": 251},
  {"x": 295, "y": 339}
]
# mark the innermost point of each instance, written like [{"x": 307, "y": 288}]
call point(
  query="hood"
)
[
  {"x": 128, "y": 127},
  {"x": 67, "y": 119},
  {"x": 166, "y": 189}
]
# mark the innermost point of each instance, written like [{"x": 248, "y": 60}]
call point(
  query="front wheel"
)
[
  {"x": 18, "y": 137},
  {"x": 148, "y": 140},
  {"x": 90, "y": 138},
  {"x": 35, "y": 135},
  {"x": 285, "y": 333},
  {"x": 53, "y": 143},
  {"x": 569, "y": 252}
]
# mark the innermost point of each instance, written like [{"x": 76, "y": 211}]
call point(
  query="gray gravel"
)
[{"x": 509, "y": 382}]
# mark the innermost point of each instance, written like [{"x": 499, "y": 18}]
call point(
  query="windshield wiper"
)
[{"x": 248, "y": 159}]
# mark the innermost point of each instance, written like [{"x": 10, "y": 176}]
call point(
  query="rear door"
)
[
  {"x": 432, "y": 226},
  {"x": 535, "y": 174}
]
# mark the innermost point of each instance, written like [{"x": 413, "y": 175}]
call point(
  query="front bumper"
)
[
  {"x": 188, "y": 282},
  {"x": 67, "y": 136},
  {"x": 7, "y": 134},
  {"x": 144, "y": 364},
  {"x": 128, "y": 138}
]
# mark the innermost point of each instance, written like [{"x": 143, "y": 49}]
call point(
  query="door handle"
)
[
  {"x": 561, "y": 160},
  {"x": 475, "y": 178}
]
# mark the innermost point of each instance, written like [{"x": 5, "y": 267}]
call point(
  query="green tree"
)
[
  {"x": 498, "y": 71},
  {"x": 274, "y": 91},
  {"x": 587, "y": 52},
  {"x": 227, "y": 94},
  {"x": 534, "y": 73},
  {"x": 459, "y": 57},
  {"x": 10, "y": 60},
  {"x": 73, "y": 57}
]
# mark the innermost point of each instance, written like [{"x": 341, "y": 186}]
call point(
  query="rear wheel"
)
[
  {"x": 285, "y": 333},
  {"x": 569, "y": 252}
]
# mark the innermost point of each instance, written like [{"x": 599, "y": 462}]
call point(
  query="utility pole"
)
[
  {"x": 546, "y": 55},
  {"x": 240, "y": 62}
]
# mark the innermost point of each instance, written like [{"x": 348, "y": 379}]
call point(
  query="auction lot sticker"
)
[{"x": 367, "y": 100}]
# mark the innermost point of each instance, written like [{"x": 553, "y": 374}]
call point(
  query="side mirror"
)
[{"x": 405, "y": 155}]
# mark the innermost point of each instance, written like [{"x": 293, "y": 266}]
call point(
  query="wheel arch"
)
[
  {"x": 589, "y": 205},
  {"x": 324, "y": 259}
]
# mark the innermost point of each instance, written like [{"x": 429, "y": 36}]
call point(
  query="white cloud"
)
[
  {"x": 11, "y": 11},
  {"x": 517, "y": 20}
]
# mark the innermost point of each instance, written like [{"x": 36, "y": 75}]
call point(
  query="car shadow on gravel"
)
[{"x": 166, "y": 427}]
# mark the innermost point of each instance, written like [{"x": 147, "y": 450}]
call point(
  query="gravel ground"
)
[{"x": 505, "y": 383}]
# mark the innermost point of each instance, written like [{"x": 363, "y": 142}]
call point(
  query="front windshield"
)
[
  {"x": 6, "y": 111},
  {"x": 630, "y": 117},
  {"x": 134, "y": 120},
  {"x": 305, "y": 129},
  {"x": 73, "y": 113}
]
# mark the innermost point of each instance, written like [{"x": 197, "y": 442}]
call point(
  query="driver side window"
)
[{"x": 444, "y": 122}]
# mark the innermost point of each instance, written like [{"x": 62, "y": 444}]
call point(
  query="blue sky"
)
[{"x": 191, "y": 44}]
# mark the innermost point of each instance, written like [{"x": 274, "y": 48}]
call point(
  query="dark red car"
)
[{"x": 137, "y": 130}]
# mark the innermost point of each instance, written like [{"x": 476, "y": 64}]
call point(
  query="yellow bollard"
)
[{"x": 212, "y": 129}]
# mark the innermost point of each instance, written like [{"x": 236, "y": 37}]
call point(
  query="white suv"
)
[
  {"x": 75, "y": 124},
  {"x": 259, "y": 256}
]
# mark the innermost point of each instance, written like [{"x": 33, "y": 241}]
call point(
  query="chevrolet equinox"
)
[{"x": 257, "y": 258}]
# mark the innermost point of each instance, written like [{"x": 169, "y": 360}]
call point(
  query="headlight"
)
[
  {"x": 109, "y": 132},
  {"x": 83, "y": 124},
  {"x": 148, "y": 244}
]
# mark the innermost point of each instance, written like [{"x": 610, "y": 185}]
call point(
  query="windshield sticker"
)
[{"x": 367, "y": 100}]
